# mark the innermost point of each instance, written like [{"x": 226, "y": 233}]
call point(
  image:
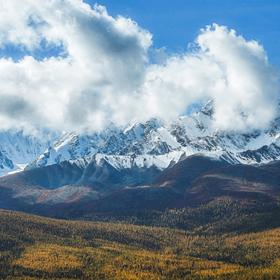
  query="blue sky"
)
[{"x": 176, "y": 23}]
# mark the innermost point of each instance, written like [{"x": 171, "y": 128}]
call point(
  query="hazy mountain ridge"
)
[{"x": 17, "y": 148}]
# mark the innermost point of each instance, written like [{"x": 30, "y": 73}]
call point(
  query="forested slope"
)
[{"x": 32, "y": 247}]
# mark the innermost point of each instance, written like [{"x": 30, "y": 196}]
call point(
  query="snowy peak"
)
[
  {"x": 158, "y": 143},
  {"x": 17, "y": 149},
  {"x": 152, "y": 143}
]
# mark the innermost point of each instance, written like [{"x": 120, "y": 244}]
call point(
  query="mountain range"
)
[
  {"x": 144, "y": 166},
  {"x": 153, "y": 143}
]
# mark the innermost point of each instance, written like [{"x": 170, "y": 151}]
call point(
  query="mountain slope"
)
[
  {"x": 68, "y": 182},
  {"x": 17, "y": 149},
  {"x": 99, "y": 188}
]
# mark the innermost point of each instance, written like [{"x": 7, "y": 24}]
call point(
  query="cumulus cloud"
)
[
  {"x": 224, "y": 67},
  {"x": 103, "y": 73},
  {"x": 103, "y": 57}
]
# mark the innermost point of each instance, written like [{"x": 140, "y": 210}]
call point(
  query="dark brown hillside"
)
[
  {"x": 192, "y": 184},
  {"x": 181, "y": 175}
]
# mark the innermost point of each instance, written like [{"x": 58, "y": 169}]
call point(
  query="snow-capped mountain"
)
[
  {"x": 88, "y": 167},
  {"x": 17, "y": 149},
  {"x": 157, "y": 143},
  {"x": 153, "y": 143}
]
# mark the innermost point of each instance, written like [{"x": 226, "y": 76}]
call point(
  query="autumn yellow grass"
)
[
  {"x": 115, "y": 261},
  {"x": 33, "y": 247},
  {"x": 49, "y": 257}
]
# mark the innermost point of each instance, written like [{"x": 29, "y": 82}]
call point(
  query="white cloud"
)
[
  {"x": 104, "y": 74},
  {"x": 235, "y": 73},
  {"x": 104, "y": 57}
]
